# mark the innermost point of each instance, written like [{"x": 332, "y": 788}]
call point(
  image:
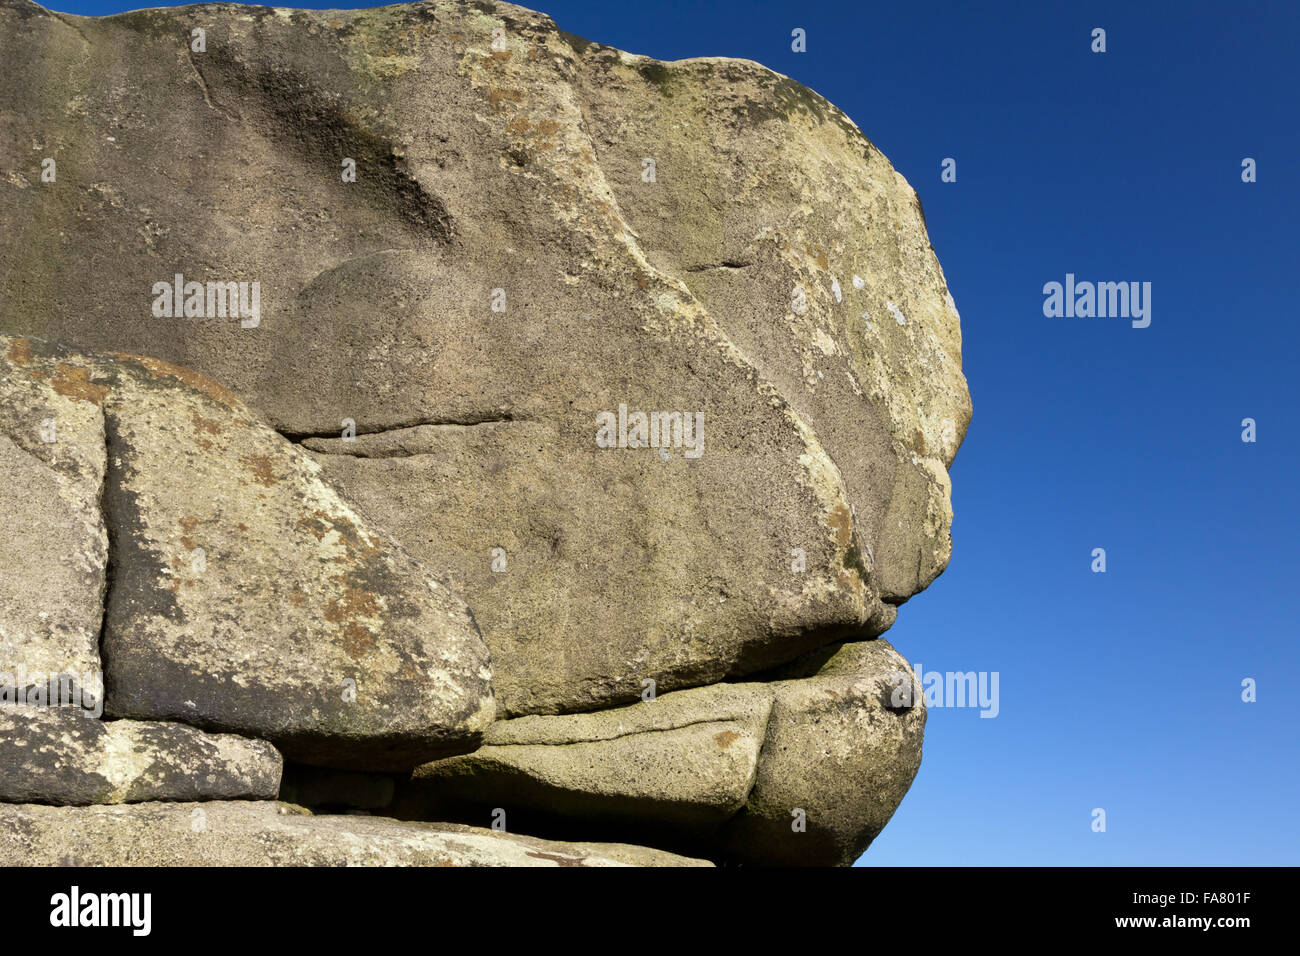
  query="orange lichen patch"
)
[
  {"x": 554, "y": 858},
  {"x": 918, "y": 441},
  {"x": 260, "y": 466},
  {"x": 357, "y": 546},
  {"x": 353, "y": 602},
  {"x": 357, "y": 641},
  {"x": 346, "y": 610},
  {"x": 409, "y": 672},
  {"x": 609, "y": 210},
  {"x": 497, "y": 96},
  {"x": 818, "y": 255},
  {"x": 356, "y": 605},
  {"x": 73, "y": 381},
  {"x": 177, "y": 582},
  {"x": 642, "y": 280},
  {"x": 188, "y": 524},
  {"x": 542, "y": 133},
  {"x": 209, "y": 425},
  {"x": 187, "y": 376},
  {"x": 321, "y": 523},
  {"x": 317, "y": 524},
  {"x": 726, "y": 738},
  {"x": 500, "y": 56},
  {"x": 841, "y": 524},
  {"x": 20, "y": 351}
]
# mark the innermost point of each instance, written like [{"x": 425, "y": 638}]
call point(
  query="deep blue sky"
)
[{"x": 1118, "y": 690}]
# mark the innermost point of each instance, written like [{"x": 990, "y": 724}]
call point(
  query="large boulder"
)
[
  {"x": 651, "y": 363},
  {"x": 545, "y": 238},
  {"x": 245, "y": 595}
]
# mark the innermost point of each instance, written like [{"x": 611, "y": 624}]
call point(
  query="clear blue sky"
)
[{"x": 1119, "y": 690}]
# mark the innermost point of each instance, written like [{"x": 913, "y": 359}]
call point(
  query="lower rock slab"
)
[
  {"x": 59, "y": 755},
  {"x": 268, "y": 833}
]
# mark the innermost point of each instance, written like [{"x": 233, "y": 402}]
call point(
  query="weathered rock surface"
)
[
  {"x": 514, "y": 176},
  {"x": 796, "y": 235},
  {"x": 60, "y": 756},
  {"x": 542, "y": 234},
  {"x": 264, "y": 833},
  {"x": 721, "y": 770},
  {"x": 681, "y": 764},
  {"x": 245, "y": 595},
  {"x": 54, "y": 548},
  {"x": 842, "y": 746}
]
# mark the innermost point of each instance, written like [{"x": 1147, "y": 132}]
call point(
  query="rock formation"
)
[{"x": 480, "y": 424}]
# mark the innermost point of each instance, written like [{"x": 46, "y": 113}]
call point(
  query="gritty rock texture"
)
[
  {"x": 683, "y": 763},
  {"x": 246, "y": 596},
  {"x": 718, "y": 770},
  {"x": 60, "y": 756},
  {"x": 481, "y": 249},
  {"x": 514, "y": 177},
  {"x": 54, "y": 548},
  {"x": 265, "y": 833},
  {"x": 794, "y": 232},
  {"x": 843, "y": 746}
]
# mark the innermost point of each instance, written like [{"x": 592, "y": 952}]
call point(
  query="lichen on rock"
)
[{"x": 374, "y": 525}]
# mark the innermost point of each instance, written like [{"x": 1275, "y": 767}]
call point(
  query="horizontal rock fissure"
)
[
  {"x": 724, "y": 264},
  {"x": 631, "y": 733},
  {"x": 461, "y": 421}
]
